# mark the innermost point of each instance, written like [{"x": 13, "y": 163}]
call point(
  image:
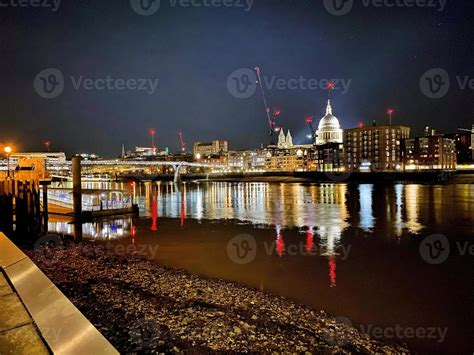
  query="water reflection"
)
[
  {"x": 287, "y": 205},
  {"x": 365, "y": 200},
  {"x": 411, "y": 202},
  {"x": 325, "y": 211},
  {"x": 280, "y": 244},
  {"x": 106, "y": 229}
]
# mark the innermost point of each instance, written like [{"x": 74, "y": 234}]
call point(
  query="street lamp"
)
[{"x": 8, "y": 151}]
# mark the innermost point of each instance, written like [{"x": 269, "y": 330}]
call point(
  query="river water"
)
[{"x": 394, "y": 260}]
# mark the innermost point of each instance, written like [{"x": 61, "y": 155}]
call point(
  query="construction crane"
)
[
  {"x": 472, "y": 137},
  {"x": 182, "y": 143},
  {"x": 309, "y": 121},
  {"x": 272, "y": 114}
]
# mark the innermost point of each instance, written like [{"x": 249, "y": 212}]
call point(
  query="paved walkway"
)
[{"x": 18, "y": 334}]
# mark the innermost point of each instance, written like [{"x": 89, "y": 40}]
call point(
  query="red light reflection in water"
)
[
  {"x": 133, "y": 232},
  {"x": 154, "y": 212},
  {"x": 183, "y": 209},
  {"x": 332, "y": 270},
  {"x": 280, "y": 244},
  {"x": 309, "y": 240}
]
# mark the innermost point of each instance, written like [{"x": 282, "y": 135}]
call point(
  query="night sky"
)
[{"x": 192, "y": 51}]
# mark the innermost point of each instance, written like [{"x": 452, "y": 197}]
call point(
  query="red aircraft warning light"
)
[
  {"x": 152, "y": 134},
  {"x": 390, "y": 112}
]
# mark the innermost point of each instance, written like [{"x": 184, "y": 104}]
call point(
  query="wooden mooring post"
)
[
  {"x": 77, "y": 196},
  {"x": 21, "y": 215}
]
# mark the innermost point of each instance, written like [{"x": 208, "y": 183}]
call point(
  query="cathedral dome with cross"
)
[{"x": 329, "y": 129}]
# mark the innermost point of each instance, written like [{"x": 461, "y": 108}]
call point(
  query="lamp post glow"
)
[{"x": 8, "y": 150}]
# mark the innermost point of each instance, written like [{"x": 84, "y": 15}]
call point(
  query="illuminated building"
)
[
  {"x": 329, "y": 157},
  {"x": 50, "y": 158},
  {"x": 329, "y": 129},
  {"x": 430, "y": 152},
  {"x": 139, "y": 152},
  {"x": 247, "y": 160},
  {"x": 215, "y": 147},
  {"x": 218, "y": 159},
  {"x": 87, "y": 156},
  {"x": 296, "y": 158},
  {"x": 464, "y": 146},
  {"x": 144, "y": 153},
  {"x": 329, "y": 150},
  {"x": 374, "y": 148},
  {"x": 285, "y": 141}
]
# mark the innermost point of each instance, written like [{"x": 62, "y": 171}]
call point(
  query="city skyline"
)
[{"x": 189, "y": 92}]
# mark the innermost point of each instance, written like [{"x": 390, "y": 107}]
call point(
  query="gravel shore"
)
[{"x": 142, "y": 307}]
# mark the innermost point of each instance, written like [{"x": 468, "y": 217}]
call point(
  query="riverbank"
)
[{"x": 140, "y": 306}]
